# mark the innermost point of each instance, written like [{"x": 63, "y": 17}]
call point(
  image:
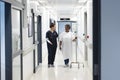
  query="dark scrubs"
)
[{"x": 52, "y": 36}]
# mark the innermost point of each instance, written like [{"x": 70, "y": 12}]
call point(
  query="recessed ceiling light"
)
[
  {"x": 81, "y": 1},
  {"x": 42, "y": 1}
]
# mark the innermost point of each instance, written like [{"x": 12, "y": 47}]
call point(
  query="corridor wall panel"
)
[
  {"x": 2, "y": 41},
  {"x": 110, "y": 40}
]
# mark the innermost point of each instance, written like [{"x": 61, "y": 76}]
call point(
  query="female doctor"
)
[
  {"x": 51, "y": 38},
  {"x": 65, "y": 44}
]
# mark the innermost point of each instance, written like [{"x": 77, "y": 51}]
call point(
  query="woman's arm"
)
[
  {"x": 49, "y": 41},
  {"x": 60, "y": 44},
  {"x": 47, "y": 38},
  {"x": 75, "y": 39}
]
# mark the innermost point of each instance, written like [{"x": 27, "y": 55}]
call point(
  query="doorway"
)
[
  {"x": 16, "y": 44},
  {"x": 96, "y": 39},
  {"x": 8, "y": 48},
  {"x": 37, "y": 40},
  {"x": 5, "y": 41}
]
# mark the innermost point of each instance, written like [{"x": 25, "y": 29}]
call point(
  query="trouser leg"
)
[
  {"x": 66, "y": 61},
  {"x": 49, "y": 55},
  {"x": 53, "y": 55}
]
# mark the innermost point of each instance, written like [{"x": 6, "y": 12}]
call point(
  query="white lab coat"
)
[{"x": 67, "y": 38}]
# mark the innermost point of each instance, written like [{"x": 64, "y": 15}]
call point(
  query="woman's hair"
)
[
  {"x": 67, "y": 25},
  {"x": 52, "y": 25}
]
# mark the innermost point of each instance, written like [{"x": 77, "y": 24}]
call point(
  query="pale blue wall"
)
[
  {"x": 61, "y": 26},
  {"x": 2, "y": 40},
  {"x": 110, "y": 14}
]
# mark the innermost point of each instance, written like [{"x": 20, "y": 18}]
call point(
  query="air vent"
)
[{"x": 64, "y": 18}]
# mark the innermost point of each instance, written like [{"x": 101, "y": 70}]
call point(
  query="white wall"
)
[
  {"x": 28, "y": 58},
  {"x": 80, "y": 21},
  {"x": 28, "y": 41},
  {"x": 27, "y": 45},
  {"x": 110, "y": 36},
  {"x": 90, "y": 34},
  {"x": 80, "y": 24},
  {"x": 28, "y": 66},
  {"x": 45, "y": 28}
]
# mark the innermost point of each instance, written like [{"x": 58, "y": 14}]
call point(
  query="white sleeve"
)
[
  {"x": 61, "y": 37},
  {"x": 48, "y": 41},
  {"x": 73, "y": 35}
]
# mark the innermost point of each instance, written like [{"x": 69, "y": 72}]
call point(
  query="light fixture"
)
[
  {"x": 81, "y": 1},
  {"x": 42, "y": 1}
]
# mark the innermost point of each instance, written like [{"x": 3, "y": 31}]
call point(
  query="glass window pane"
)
[
  {"x": 16, "y": 44},
  {"x": 35, "y": 28},
  {"x": 15, "y": 30},
  {"x": 17, "y": 68},
  {"x": 74, "y": 27},
  {"x": 36, "y": 56}
]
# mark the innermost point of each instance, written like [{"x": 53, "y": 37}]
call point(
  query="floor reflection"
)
[{"x": 59, "y": 72}]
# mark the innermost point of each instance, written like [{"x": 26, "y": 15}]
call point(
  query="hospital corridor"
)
[
  {"x": 55, "y": 40},
  {"x": 60, "y": 72}
]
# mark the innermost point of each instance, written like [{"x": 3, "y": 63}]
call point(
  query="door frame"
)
[
  {"x": 33, "y": 30},
  {"x": 8, "y": 42},
  {"x": 1, "y": 3},
  {"x": 85, "y": 35},
  {"x": 39, "y": 38},
  {"x": 96, "y": 39},
  {"x": 8, "y": 37},
  {"x": 35, "y": 43},
  {"x": 7, "y": 58},
  {"x": 0, "y": 41},
  {"x": 19, "y": 53}
]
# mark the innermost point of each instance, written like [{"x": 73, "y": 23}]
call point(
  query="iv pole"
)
[{"x": 76, "y": 62}]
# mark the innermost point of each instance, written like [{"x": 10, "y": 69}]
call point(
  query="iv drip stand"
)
[{"x": 76, "y": 62}]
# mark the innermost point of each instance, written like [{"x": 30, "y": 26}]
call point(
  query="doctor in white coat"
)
[{"x": 65, "y": 44}]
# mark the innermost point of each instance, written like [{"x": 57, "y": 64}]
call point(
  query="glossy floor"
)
[{"x": 59, "y": 72}]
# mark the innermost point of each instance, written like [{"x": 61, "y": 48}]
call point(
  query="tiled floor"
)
[{"x": 59, "y": 72}]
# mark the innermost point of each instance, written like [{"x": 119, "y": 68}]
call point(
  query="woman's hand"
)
[
  {"x": 60, "y": 45},
  {"x": 60, "y": 48},
  {"x": 75, "y": 39}
]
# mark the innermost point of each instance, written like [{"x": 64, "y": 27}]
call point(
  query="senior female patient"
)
[{"x": 65, "y": 44}]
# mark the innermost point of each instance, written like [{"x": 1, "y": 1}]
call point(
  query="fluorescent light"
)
[
  {"x": 42, "y": 1},
  {"x": 81, "y": 1}
]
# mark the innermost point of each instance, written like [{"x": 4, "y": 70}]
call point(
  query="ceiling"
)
[{"x": 63, "y": 7}]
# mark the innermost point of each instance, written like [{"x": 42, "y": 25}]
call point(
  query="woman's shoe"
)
[
  {"x": 50, "y": 65},
  {"x": 66, "y": 65}
]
